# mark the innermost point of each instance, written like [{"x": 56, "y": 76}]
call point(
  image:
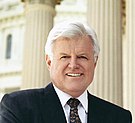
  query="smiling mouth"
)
[{"x": 74, "y": 74}]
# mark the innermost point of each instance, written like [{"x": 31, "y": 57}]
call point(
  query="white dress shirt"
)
[{"x": 82, "y": 107}]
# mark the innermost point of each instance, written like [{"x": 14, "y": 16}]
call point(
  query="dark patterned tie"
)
[{"x": 74, "y": 117}]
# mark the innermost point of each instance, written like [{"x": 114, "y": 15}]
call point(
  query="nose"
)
[{"x": 73, "y": 63}]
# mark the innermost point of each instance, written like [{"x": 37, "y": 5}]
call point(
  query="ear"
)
[
  {"x": 48, "y": 61},
  {"x": 96, "y": 59}
]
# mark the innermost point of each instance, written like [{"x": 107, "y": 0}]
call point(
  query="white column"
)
[
  {"x": 105, "y": 17},
  {"x": 39, "y": 20},
  {"x": 129, "y": 58}
]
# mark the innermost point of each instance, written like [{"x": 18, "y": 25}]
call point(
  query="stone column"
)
[
  {"x": 129, "y": 58},
  {"x": 105, "y": 17},
  {"x": 39, "y": 20}
]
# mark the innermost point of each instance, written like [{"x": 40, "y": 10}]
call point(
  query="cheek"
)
[
  {"x": 57, "y": 74},
  {"x": 53, "y": 69},
  {"x": 57, "y": 68},
  {"x": 90, "y": 70}
]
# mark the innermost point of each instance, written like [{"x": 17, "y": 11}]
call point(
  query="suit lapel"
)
[
  {"x": 93, "y": 116},
  {"x": 52, "y": 107},
  {"x": 96, "y": 113}
]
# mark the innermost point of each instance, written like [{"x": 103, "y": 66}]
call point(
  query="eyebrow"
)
[
  {"x": 84, "y": 54},
  {"x": 63, "y": 54}
]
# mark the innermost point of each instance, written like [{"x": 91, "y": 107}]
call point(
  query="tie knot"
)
[{"x": 73, "y": 103}]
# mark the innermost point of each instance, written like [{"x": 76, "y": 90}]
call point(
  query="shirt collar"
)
[{"x": 64, "y": 97}]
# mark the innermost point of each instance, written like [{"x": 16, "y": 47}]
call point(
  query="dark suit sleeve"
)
[
  {"x": 9, "y": 110},
  {"x": 126, "y": 118},
  {"x": 130, "y": 117}
]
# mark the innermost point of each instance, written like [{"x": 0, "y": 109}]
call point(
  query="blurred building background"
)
[{"x": 24, "y": 26}]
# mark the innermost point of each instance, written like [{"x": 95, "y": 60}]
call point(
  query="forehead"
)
[{"x": 83, "y": 43}]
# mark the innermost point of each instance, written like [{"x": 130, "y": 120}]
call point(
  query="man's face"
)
[{"x": 72, "y": 65}]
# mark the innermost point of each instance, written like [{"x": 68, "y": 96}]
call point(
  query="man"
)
[{"x": 71, "y": 56}]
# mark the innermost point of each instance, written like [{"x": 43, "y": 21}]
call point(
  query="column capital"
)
[{"x": 43, "y": 1}]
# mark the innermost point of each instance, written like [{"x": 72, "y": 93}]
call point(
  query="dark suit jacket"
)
[{"x": 43, "y": 106}]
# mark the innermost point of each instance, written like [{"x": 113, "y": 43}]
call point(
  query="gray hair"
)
[{"x": 71, "y": 29}]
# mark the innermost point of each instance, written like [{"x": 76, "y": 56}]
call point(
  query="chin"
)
[{"x": 76, "y": 88}]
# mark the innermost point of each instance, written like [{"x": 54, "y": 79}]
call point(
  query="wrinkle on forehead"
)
[{"x": 80, "y": 45}]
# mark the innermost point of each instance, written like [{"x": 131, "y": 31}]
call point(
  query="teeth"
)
[{"x": 74, "y": 75}]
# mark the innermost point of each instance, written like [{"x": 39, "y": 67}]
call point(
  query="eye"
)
[
  {"x": 64, "y": 57},
  {"x": 83, "y": 57}
]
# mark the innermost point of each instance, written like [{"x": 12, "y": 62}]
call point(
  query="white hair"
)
[{"x": 71, "y": 29}]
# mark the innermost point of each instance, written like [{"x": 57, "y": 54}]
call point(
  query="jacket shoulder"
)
[
  {"x": 28, "y": 95},
  {"x": 108, "y": 110},
  {"x": 26, "y": 104}
]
